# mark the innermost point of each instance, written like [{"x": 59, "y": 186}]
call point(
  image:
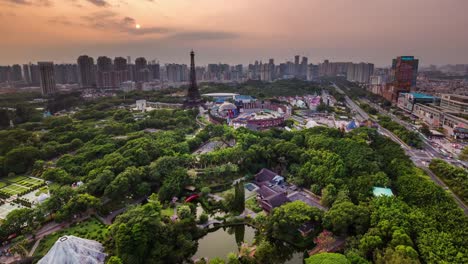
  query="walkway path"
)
[{"x": 33, "y": 249}]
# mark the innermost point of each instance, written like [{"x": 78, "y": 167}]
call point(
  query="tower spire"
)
[{"x": 193, "y": 95}]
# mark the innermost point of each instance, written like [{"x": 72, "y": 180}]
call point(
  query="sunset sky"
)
[{"x": 235, "y": 31}]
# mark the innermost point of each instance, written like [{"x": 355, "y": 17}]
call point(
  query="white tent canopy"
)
[{"x": 75, "y": 250}]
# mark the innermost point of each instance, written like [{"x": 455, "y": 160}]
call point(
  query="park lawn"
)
[
  {"x": 90, "y": 229},
  {"x": 2, "y": 184}
]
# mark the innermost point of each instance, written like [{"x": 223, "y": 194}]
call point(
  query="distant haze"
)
[{"x": 237, "y": 31}]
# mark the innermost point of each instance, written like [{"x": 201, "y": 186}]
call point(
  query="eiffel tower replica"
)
[{"x": 193, "y": 95}]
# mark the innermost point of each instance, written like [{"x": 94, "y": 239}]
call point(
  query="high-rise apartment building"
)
[
  {"x": 359, "y": 72},
  {"x": 303, "y": 68},
  {"x": 105, "y": 74},
  {"x": 177, "y": 72},
  {"x": 121, "y": 72},
  {"x": 155, "y": 71},
  {"x": 86, "y": 72},
  {"x": 35, "y": 76},
  {"x": 47, "y": 77},
  {"x": 66, "y": 73},
  {"x": 142, "y": 72},
  {"x": 26, "y": 74},
  {"x": 16, "y": 74},
  {"x": 5, "y": 72}
]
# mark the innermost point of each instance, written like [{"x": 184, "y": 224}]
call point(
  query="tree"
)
[
  {"x": 4, "y": 118},
  {"x": 205, "y": 191},
  {"x": 322, "y": 168},
  {"x": 464, "y": 154},
  {"x": 369, "y": 243},
  {"x": 140, "y": 235},
  {"x": 344, "y": 217},
  {"x": 184, "y": 211},
  {"x": 173, "y": 184},
  {"x": 289, "y": 217},
  {"x": 425, "y": 130},
  {"x": 217, "y": 261},
  {"x": 114, "y": 260},
  {"x": 203, "y": 218},
  {"x": 57, "y": 175},
  {"x": 401, "y": 254},
  {"x": 327, "y": 258},
  {"x": 126, "y": 182},
  {"x": 324, "y": 240},
  {"x": 18, "y": 219},
  {"x": 238, "y": 205},
  {"x": 20, "y": 247},
  {"x": 78, "y": 204},
  {"x": 21, "y": 159},
  {"x": 264, "y": 253},
  {"x": 232, "y": 258},
  {"x": 329, "y": 195}
]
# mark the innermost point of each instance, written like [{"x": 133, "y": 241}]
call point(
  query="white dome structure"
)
[
  {"x": 75, "y": 250},
  {"x": 41, "y": 198},
  {"x": 226, "y": 107}
]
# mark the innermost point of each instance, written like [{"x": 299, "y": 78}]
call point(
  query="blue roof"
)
[
  {"x": 379, "y": 191},
  {"x": 243, "y": 97},
  {"x": 421, "y": 96},
  {"x": 351, "y": 125}
]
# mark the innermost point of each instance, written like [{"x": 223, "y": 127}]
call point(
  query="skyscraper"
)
[
  {"x": 47, "y": 77},
  {"x": 16, "y": 73},
  {"x": 155, "y": 71},
  {"x": 86, "y": 72},
  {"x": 141, "y": 70},
  {"x": 360, "y": 72},
  {"x": 121, "y": 70},
  {"x": 303, "y": 68},
  {"x": 105, "y": 75},
  {"x": 193, "y": 95},
  {"x": 402, "y": 77},
  {"x": 296, "y": 65},
  {"x": 405, "y": 71},
  {"x": 26, "y": 74},
  {"x": 35, "y": 76}
]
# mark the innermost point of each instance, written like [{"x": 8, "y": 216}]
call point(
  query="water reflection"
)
[{"x": 226, "y": 240}]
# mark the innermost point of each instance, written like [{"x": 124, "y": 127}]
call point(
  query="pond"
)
[{"x": 226, "y": 240}]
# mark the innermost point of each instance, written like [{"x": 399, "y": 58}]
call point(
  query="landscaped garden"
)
[
  {"x": 19, "y": 185},
  {"x": 89, "y": 229}
]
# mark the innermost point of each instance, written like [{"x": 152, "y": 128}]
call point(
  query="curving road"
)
[{"x": 417, "y": 156}]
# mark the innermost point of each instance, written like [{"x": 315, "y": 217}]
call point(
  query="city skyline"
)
[{"x": 241, "y": 32}]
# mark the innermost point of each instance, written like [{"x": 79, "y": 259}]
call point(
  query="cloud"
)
[
  {"x": 204, "y": 35},
  {"x": 63, "y": 21},
  {"x": 30, "y": 2},
  {"x": 100, "y": 3},
  {"x": 110, "y": 21}
]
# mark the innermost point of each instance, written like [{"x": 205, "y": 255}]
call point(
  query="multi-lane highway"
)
[{"x": 420, "y": 158}]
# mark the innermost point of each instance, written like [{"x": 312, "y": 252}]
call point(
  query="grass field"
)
[
  {"x": 89, "y": 229},
  {"x": 30, "y": 182},
  {"x": 18, "y": 184},
  {"x": 14, "y": 189}
]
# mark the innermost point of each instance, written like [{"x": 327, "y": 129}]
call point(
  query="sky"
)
[{"x": 235, "y": 31}]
